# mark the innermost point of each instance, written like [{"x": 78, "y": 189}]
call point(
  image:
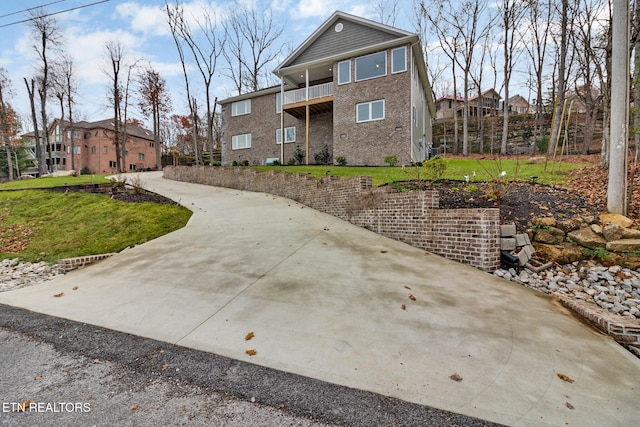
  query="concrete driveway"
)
[{"x": 331, "y": 301}]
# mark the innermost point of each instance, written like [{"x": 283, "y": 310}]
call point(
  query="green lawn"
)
[
  {"x": 47, "y": 182},
  {"x": 485, "y": 170},
  {"x": 47, "y": 226}
]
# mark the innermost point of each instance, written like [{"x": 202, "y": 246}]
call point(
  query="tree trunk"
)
[{"x": 555, "y": 131}]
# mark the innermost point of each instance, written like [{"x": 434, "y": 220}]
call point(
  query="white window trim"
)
[
  {"x": 370, "y": 103},
  {"x": 234, "y": 107},
  {"x": 279, "y": 96},
  {"x": 374, "y": 77},
  {"x": 405, "y": 60},
  {"x": 234, "y": 141},
  {"x": 279, "y": 135},
  {"x": 348, "y": 61}
]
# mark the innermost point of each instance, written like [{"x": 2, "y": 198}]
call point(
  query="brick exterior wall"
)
[
  {"x": 470, "y": 236},
  {"x": 369, "y": 143},
  {"x": 92, "y": 143},
  {"x": 262, "y": 123}
]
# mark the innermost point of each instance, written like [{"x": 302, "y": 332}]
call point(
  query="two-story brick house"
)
[
  {"x": 94, "y": 148},
  {"x": 358, "y": 87}
]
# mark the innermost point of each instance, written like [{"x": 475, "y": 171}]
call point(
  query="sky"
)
[{"x": 140, "y": 26}]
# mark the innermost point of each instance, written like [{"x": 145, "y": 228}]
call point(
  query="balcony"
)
[{"x": 320, "y": 100}]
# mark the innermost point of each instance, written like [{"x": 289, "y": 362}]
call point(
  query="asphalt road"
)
[{"x": 75, "y": 374}]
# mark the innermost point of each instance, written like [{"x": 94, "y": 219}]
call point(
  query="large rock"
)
[
  {"x": 588, "y": 238},
  {"x": 626, "y": 245},
  {"x": 544, "y": 236},
  {"x": 568, "y": 225},
  {"x": 561, "y": 254},
  {"x": 543, "y": 222},
  {"x": 613, "y": 232},
  {"x": 617, "y": 219}
]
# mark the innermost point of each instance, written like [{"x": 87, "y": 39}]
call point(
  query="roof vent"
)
[{"x": 339, "y": 27}]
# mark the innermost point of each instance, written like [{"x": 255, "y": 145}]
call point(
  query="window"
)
[
  {"x": 151, "y": 145},
  {"x": 105, "y": 149},
  {"x": 140, "y": 156},
  {"x": 344, "y": 72},
  {"x": 289, "y": 135},
  {"x": 93, "y": 149},
  {"x": 241, "y": 107},
  {"x": 241, "y": 141},
  {"x": 132, "y": 167},
  {"x": 76, "y": 149},
  {"x": 278, "y": 103},
  {"x": 399, "y": 60},
  {"x": 112, "y": 164},
  {"x": 369, "y": 111},
  {"x": 371, "y": 66}
]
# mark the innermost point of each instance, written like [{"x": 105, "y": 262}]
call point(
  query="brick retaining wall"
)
[
  {"x": 68, "y": 264},
  {"x": 470, "y": 236}
]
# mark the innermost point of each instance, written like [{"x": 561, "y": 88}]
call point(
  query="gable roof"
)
[
  {"x": 108, "y": 124},
  {"x": 343, "y": 36}
]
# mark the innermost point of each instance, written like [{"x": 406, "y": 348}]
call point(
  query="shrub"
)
[
  {"x": 299, "y": 154},
  {"x": 323, "y": 157},
  {"x": 543, "y": 143},
  {"x": 85, "y": 171},
  {"x": 391, "y": 160},
  {"x": 435, "y": 167},
  {"x": 341, "y": 160},
  {"x": 275, "y": 163},
  {"x": 136, "y": 184},
  {"x": 245, "y": 163},
  {"x": 235, "y": 163}
]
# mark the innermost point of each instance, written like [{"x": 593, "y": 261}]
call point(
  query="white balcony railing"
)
[{"x": 299, "y": 95}]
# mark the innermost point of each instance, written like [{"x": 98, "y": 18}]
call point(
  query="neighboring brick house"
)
[
  {"x": 368, "y": 97},
  {"x": 95, "y": 149}
]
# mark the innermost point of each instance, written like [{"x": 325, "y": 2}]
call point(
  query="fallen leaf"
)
[
  {"x": 569, "y": 405},
  {"x": 251, "y": 352},
  {"x": 384, "y": 251},
  {"x": 75, "y": 288},
  {"x": 65, "y": 371},
  {"x": 456, "y": 377},
  {"x": 404, "y": 306},
  {"x": 39, "y": 378},
  {"x": 411, "y": 297},
  {"x": 566, "y": 378},
  {"x": 58, "y": 295},
  {"x": 406, "y": 287},
  {"x": 134, "y": 407},
  {"x": 249, "y": 336},
  {"x": 24, "y": 406},
  {"x": 165, "y": 367},
  {"x": 97, "y": 362},
  {"x": 281, "y": 406}
]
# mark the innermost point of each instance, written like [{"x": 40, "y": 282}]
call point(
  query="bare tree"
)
[
  {"x": 561, "y": 83},
  {"x": 31, "y": 90},
  {"x": 154, "y": 100},
  {"x": 206, "y": 52},
  {"x": 535, "y": 36},
  {"x": 115, "y": 54},
  {"x": 387, "y": 11},
  {"x": 590, "y": 38},
  {"x": 7, "y": 119},
  {"x": 253, "y": 44},
  {"x": 47, "y": 35},
  {"x": 511, "y": 13},
  {"x": 176, "y": 21},
  {"x": 460, "y": 26}
]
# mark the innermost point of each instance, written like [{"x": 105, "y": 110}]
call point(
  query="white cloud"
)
[
  {"x": 314, "y": 9},
  {"x": 149, "y": 20}
]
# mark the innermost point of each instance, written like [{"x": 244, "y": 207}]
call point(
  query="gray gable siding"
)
[{"x": 353, "y": 36}]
